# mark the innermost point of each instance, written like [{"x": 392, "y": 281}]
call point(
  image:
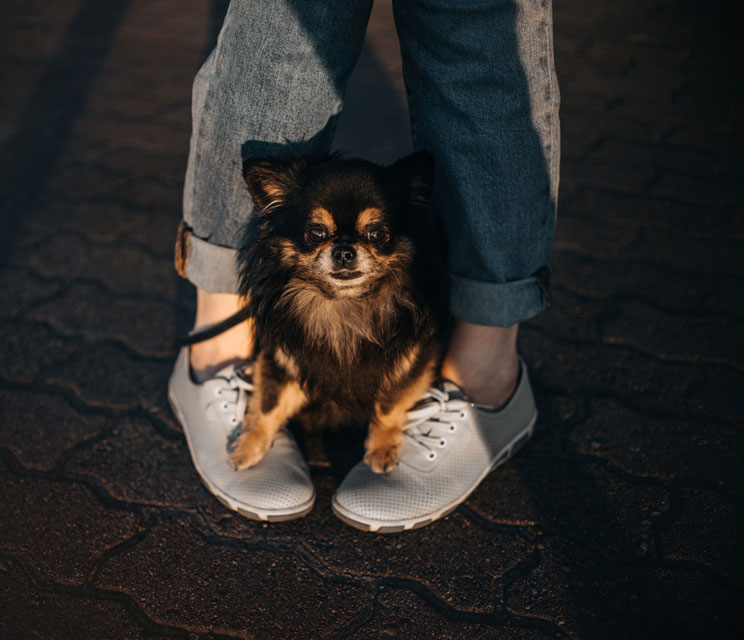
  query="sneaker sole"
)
[
  {"x": 416, "y": 523},
  {"x": 247, "y": 511}
]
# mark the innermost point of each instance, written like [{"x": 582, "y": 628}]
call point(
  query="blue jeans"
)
[{"x": 482, "y": 96}]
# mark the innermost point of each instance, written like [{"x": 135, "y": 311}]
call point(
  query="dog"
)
[{"x": 346, "y": 286}]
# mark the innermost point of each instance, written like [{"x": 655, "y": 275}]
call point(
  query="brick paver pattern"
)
[{"x": 621, "y": 519}]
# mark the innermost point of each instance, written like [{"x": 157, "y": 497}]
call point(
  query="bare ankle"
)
[
  {"x": 483, "y": 361},
  {"x": 233, "y": 346}
]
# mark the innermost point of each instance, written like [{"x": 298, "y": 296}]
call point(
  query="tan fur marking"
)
[
  {"x": 288, "y": 253},
  {"x": 383, "y": 445},
  {"x": 403, "y": 365},
  {"x": 259, "y": 428},
  {"x": 368, "y": 216},
  {"x": 319, "y": 215},
  {"x": 286, "y": 362},
  {"x": 274, "y": 189}
]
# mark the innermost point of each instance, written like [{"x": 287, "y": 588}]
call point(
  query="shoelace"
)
[
  {"x": 432, "y": 420},
  {"x": 234, "y": 395}
]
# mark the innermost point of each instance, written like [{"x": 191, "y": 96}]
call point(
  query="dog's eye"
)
[
  {"x": 317, "y": 233},
  {"x": 375, "y": 234}
]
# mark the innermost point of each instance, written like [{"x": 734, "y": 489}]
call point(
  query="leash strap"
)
[{"x": 221, "y": 327}]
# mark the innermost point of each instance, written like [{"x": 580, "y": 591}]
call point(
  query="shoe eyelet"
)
[
  {"x": 233, "y": 420},
  {"x": 432, "y": 455},
  {"x": 452, "y": 427},
  {"x": 224, "y": 406},
  {"x": 218, "y": 392},
  {"x": 463, "y": 415},
  {"x": 443, "y": 442}
]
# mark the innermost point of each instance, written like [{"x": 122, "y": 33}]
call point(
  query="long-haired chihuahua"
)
[{"x": 345, "y": 280}]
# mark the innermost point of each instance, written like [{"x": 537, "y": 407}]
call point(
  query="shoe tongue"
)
[
  {"x": 226, "y": 372},
  {"x": 452, "y": 390},
  {"x": 242, "y": 370}
]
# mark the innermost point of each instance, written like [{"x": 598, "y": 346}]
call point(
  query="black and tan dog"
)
[{"x": 346, "y": 285}]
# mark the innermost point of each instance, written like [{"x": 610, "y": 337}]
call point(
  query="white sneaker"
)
[
  {"x": 451, "y": 445},
  {"x": 278, "y": 487}
]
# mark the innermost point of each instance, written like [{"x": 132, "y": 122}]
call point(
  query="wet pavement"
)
[{"x": 621, "y": 519}]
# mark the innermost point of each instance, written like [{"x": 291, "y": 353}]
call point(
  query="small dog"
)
[{"x": 346, "y": 285}]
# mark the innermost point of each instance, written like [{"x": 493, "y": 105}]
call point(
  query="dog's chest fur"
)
[{"x": 346, "y": 356}]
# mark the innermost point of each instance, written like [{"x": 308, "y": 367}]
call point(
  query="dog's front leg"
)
[
  {"x": 385, "y": 438},
  {"x": 276, "y": 398}
]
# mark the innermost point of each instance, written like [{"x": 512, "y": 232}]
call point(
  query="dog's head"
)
[{"x": 341, "y": 225}]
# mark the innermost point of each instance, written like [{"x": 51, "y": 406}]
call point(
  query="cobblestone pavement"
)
[{"x": 621, "y": 519}]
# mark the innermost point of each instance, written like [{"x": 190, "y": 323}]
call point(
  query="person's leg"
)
[
  {"x": 483, "y": 361},
  {"x": 273, "y": 85},
  {"x": 484, "y": 99},
  {"x": 231, "y": 347}
]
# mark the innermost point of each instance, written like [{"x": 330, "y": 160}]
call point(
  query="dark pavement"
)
[{"x": 621, "y": 519}]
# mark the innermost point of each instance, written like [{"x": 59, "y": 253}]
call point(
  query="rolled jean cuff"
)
[
  {"x": 208, "y": 266},
  {"x": 499, "y": 304}
]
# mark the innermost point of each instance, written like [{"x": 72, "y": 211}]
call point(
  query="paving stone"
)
[
  {"x": 39, "y": 428},
  {"x": 586, "y": 120},
  {"x": 61, "y": 527},
  {"x": 710, "y": 138},
  {"x": 551, "y": 491},
  {"x": 652, "y": 385},
  {"x": 626, "y": 280},
  {"x": 572, "y": 317},
  {"x": 466, "y": 578},
  {"x": 29, "y": 38},
  {"x": 611, "y": 175},
  {"x": 673, "y": 337},
  {"x": 503, "y": 498},
  {"x": 107, "y": 377},
  {"x": 124, "y": 270},
  {"x": 678, "y": 159},
  {"x": 663, "y": 449},
  {"x": 614, "y": 239},
  {"x": 571, "y": 587},
  {"x": 708, "y": 256},
  {"x": 565, "y": 579},
  {"x": 29, "y": 350},
  {"x": 142, "y": 39},
  {"x": 143, "y": 191},
  {"x": 150, "y": 137},
  {"x": 717, "y": 393},
  {"x": 132, "y": 164},
  {"x": 19, "y": 290},
  {"x": 401, "y": 614},
  {"x": 145, "y": 325},
  {"x": 99, "y": 222},
  {"x": 716, "y": 191},
  {"x": 135, "y": 464},
  {"x": 595, "y": 206},
  {"x": 704, "y": 534},
  {"x": 33, "y": 612},
  {"x": 180, "y": 577},
  {"x": 156, "y": 234}
]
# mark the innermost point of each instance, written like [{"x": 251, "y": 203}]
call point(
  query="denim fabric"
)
[{"x": 483, "y": 98}]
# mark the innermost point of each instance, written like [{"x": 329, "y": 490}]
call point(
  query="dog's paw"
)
[
  {"x": 248, "y": 449},
  {"x": 383, "y": 459}
]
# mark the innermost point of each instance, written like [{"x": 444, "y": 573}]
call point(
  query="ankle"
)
[
  {"x": 231, "y": 347},
  {"x": 483, "y": 361}
]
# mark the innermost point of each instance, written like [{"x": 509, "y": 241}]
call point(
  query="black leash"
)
[{"x": 221, "y": 327}]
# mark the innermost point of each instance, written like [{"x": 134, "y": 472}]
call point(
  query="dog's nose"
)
[{"x": 343, "y": 254}]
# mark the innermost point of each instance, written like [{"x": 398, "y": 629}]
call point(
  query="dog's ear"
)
[
  {"x": 415, "y": 174},
  {"x": 269, "y": 180}
]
